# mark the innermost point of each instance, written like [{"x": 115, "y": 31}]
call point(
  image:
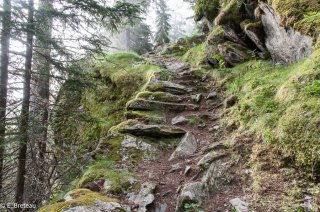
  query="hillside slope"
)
[{"x": 226, "y": 122}]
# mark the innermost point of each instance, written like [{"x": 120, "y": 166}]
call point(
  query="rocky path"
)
[
  {"x": 175, "y": 123},
  {"x": 201, "y": 122}
]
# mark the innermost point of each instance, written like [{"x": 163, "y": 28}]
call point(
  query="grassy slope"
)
[{"x": 280, "y": 106}]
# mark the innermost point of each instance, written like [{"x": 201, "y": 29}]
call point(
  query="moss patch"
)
[
  {"x": 80, "y": 197},
  {"x": 303, "y": 15}
]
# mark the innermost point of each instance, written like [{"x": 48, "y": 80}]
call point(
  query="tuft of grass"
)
[{"x": 281, "y": 105}]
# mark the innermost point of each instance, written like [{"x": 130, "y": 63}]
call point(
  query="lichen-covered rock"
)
[
  {"x": 142, "y": 104},
  {"x": 99, "y": 206},
  {"x": 230, "y": 13},
  {"x": 194, "y": 192},
  {"x": 234, "y": 53},
  {"x": 143, "y": 148},
  {"x": 238, "y": 205},
  {"x": 186, "y": 148},
  {"x": 156, "y": 131},
  {"x": 179, "y": 120},
  {"x": 150, "y": 117},
  {"x": 159, "y": 96},
  {"x": 145, "y": 197},
  {"x": 285, "y": 46},
  {"x": 210, "y": 157},
  {"x": 254, "y": 30},
  {"x": 167, "y": 86}
]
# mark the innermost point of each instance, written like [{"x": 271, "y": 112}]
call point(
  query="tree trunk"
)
[
  {"x": 5, "y": 45},
  {"x": 24, "y": 116},
  {"x": 39, "y": 105}
]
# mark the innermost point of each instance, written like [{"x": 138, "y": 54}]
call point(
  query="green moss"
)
[
  {"x": 303, "y": 15},
  {"x": 280, "y": 104},
  {"x": 157, "y": 96},
  {"x": 80, "y": 197},
  {"x": 152, "y": 117},
  {"x": 230, "y": 13},
  {"x": 123, "y": 125},
  {"x": 207, "y": 8},
  {"x": 180, "y": 47},
  {"x": 117, "y": 179},
  {"x": 196, "y": 56}
]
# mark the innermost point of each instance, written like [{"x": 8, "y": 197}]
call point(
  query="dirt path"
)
[{"x": 170, "y": 176}]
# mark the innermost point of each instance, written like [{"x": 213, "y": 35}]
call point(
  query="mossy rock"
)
[
  {"x": 116, "y": 180},
  {"x": 79, "y": 197},
  {"x": 155, "y": 131},
  {"x": 234, "y": 53},
  {"x": 232, "y": 13},
  {"x": 207, "y": 8},
  {"x": 302, "y": 15},
  {"x": 159, "y": 96},
  {"x": 151, "y": 117}
]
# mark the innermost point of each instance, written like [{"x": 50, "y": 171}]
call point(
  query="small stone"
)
[
  {"x": 214, "y": 128},
  {"x": 187, "y": 170},
  {"x": 238, "y": 205},
  {"x": 145, "y": 196},
  {"x": 202, "y": 126},
  {"x": 186, "y": 148},
  {"x": 196, "y": 98},
  {"x": 179, "y": 120},
  {"x": 175, "y": 167},
  {"x": 209, "y": 158},
  {"x": 212, "y": 95}
]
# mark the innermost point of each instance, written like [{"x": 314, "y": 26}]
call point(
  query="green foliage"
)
[
  {"x": 207, "y": 8},
  {"x": 192, "y": 207},
  {"x": 280, "y": 104},
  {"x": 196, "y": 56},
  {"x": 138, "y": 38},
  {"x": 303, "y": 15},
  {"x": 116, "y": 179},
  {"x": 163, "y": 25},
  {"x": 314, "y": 88}
]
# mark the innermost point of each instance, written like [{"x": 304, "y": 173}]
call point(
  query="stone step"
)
[
  {"x": 147, "y": 105},
  {"x": 150, "y": 117},
  {"x": 153, "y": 130},
  {"x": 167, "y": 86},
  {"x": 160, "y": 96}
]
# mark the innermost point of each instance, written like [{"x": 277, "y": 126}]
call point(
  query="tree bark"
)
[
  {"x": 24, "y": 116},
  {"x": 40, "y": 102},
  {"x": 5, "y": 46}
]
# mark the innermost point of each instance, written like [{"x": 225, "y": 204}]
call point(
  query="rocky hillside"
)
[{"x": 229, "y": 121}]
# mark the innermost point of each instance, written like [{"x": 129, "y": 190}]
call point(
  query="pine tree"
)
[
  {"x": 163, "y": 25},
  {"x": 5, "y": 46},
  {"x": 139, "y": 39}
]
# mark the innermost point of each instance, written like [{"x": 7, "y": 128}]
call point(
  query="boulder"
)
[
  {"x": 179, "y": 120},
  {"x": 149, "y": 151},
  {"x": 286, "y": 46},
  {"x": 196, "y": 98},
  {"x": 99, "y": 206},
  {"x": 254, "y": 30},
  {"x": 145, "y": 197},
  {"x": 186, "y": 148},
  {"x": 160, "y": 96},
  {"x": 176, "y": 66},
  {"x": 212, "y": 95},
  {"x": 167, "y": 86},
  {"x": 147, "y": 105},
  {"x": 156, "y": 131},
  {"x": 233, "y": 53},
  {"x": 192, "y": 192},
  {"x": 210, "y": 157},
  {"x": 238, "y": 205}
]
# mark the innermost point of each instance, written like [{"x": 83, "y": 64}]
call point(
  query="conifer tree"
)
[{"x": 163, "y": 25}]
